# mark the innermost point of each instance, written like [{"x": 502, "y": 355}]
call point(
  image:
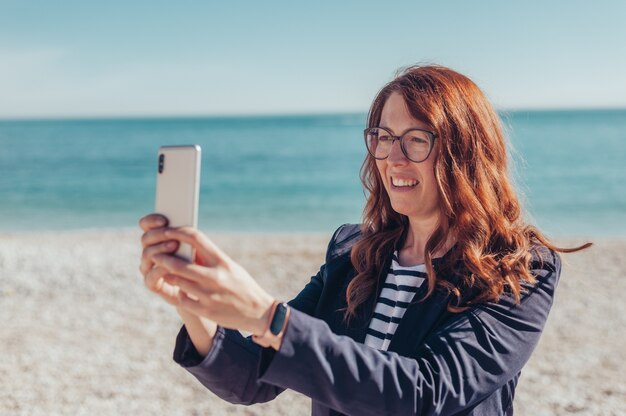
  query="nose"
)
[{"x": 396, "y": 155}]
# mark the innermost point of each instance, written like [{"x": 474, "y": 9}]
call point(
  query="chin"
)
[{"x": 402, "y": 210}]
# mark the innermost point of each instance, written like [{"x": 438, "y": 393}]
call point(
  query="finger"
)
[
  {"x": 191, "y": 288},
  {"x": 151, "y": 221},
  {"x": 148, "y": 252},
  {"x": 194, "y": 306},
  {"x": 154, "y": 236},
  {"x": 155, "y": 281},
  {"x": 168, "y": 292},
  {"x": 210, "y": 253},
  {"x": 199, "y": 260},
  {"x": 154, "y": 278},
  {"x": 205, "y": 277}
]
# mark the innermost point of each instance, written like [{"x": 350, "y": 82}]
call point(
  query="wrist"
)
[
  {"x": 275, "y": 325},
  {"x": 264, "y": 315}
]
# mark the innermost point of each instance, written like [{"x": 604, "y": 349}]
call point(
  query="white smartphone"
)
[{"x": 178, "y": 188}]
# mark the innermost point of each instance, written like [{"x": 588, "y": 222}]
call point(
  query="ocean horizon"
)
[{"x": 289, "y": 173}]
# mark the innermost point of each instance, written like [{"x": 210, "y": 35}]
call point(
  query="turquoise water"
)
[{"x": 291, "y": 173}]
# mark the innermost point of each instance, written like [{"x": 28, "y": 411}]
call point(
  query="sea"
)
[{"x": 292, "y": 173}]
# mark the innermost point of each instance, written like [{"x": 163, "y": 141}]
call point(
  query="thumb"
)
[{"x": 210, "y": 254}]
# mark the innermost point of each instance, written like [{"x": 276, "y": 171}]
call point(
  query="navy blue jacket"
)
[{"x": 438, "y": 363}]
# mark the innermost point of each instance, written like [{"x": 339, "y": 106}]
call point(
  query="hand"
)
[
  {"x": 201, "y": 330},
  {"x": 153, "y": 226},
  {"x": 214, "y": 287},
  {"x": 153, "y": 276}
]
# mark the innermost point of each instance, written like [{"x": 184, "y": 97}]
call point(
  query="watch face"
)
[{"x": 279, "y": 319}]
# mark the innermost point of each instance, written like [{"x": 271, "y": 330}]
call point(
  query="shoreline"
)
[{"x": 261, "y": 232}]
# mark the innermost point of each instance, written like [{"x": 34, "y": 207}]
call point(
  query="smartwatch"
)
[
  {"x": 277, "y": 324},
  {"x": 276, "y": 328}
]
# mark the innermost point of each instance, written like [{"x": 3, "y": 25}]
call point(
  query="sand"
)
[{"x": 81, "y": 335}]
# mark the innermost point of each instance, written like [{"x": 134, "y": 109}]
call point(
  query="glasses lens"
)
[
  {"x": 378, "y": 142},
  {"x": 417, "y": 145}
]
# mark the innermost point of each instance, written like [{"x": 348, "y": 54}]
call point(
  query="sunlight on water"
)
[{"x": 294, "y": 173}]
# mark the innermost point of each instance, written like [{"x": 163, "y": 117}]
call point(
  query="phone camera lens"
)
[{"x": 161, "y": 162}]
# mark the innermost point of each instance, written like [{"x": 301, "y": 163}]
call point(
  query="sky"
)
[{"x": 192, "y": 58}]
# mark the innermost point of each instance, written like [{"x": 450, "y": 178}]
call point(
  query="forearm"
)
[
  {"x": 201, "y": 331},
  {"x": 338, "y": 372},
  {"x": 460, "y": 363},
  {"x": 229, "y": 369}
]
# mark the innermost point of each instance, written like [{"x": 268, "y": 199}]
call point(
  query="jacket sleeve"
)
[
  {"x": 462, "y": 362},
  {"x": 230, "y": 368}
]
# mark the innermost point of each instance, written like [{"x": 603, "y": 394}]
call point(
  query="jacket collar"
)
[{"x": 419, "y": 319}]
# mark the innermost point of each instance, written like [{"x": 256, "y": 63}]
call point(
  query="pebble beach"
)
[{"x": 80, "y": 334}]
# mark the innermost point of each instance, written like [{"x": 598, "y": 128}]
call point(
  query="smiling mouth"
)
[{"x": 404, "y": 183}]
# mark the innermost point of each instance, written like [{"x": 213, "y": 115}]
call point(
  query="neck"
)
[{"x": 420, "y": 230}]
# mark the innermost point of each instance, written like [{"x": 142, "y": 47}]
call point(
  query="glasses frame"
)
[{"x": 431, "y": 134}]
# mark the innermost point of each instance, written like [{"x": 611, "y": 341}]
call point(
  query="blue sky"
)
[{"x": 153, "y": 58}]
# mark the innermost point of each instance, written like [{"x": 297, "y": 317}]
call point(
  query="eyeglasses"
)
[{"x": 416, "y": 144}]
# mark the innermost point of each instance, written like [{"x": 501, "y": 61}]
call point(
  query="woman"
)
[{"x": 431, "y": 307}]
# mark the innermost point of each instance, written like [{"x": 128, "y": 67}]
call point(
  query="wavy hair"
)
[{"x": 478, "y": 202}]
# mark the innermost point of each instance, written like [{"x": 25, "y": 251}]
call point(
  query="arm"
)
[
  {"x": 460, "y": 364},
  {"x": 201, "y": 331},
  {"x": 231, "y": 366}
]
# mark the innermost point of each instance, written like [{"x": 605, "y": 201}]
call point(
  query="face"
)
[{"x": 411, "y": 187}]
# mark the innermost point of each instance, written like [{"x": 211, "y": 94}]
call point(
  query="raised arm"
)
[
  {"x": 230, "y": 368},
  {"x": 460, "y": 364}
]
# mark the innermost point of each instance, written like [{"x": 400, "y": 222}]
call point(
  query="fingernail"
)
[
  {"x": 159, "y": 221},
  {"x": 171, "y": 244}
]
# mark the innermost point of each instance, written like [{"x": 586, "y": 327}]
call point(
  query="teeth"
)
[{"x": 403, "y": 182}]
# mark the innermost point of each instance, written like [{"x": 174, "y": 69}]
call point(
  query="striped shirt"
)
[{"x": 398, "y": 290}]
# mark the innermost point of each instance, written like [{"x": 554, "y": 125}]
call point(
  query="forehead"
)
[{"x": 396, "y": 117}]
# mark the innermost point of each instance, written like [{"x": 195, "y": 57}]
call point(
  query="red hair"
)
[{"x": 478, "y": 202}]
